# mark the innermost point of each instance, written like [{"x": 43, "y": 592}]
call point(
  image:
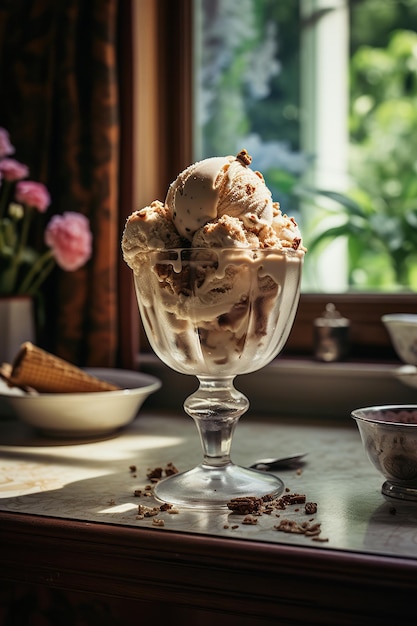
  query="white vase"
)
[{"x": 17, "y": 325}]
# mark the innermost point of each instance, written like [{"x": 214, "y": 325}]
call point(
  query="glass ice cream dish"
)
[
  {"x": 215, "y": 314},
  {"x": 217, "y": 271}
]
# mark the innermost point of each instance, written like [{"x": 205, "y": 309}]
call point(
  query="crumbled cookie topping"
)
[
  {"x": 250, "y": 507},
  {"x": 155, "y": 473},
  {"x": 245, "y": 505},
  {"x": 310, "y": 508},
  {"x": 244, "y": 157},
  {"x": 305, "y": 528},
  {"x": 253, "y": 507}
]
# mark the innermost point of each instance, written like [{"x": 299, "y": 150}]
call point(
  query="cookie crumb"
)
[
  {"x": 291, "y": 526},
  {"x": 156, "y": 472},
  {"x": 245, "y": 505},
  {"x": 148, "y": 511},
  {"x": 170, "y": 469},
  {"x": 244, "y": 157},
  {"x": 310, "y": 508}
]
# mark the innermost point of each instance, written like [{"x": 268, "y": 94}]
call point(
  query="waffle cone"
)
[{"x": 46, "y": 373}]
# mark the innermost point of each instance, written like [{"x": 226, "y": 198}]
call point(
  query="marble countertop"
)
[{"x": 95, "y": 481}]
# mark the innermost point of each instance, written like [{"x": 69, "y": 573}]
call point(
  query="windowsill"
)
[{"x": 302, "y": 387}]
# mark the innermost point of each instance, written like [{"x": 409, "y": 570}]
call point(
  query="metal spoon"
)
[{"x": 287, "y": 461}]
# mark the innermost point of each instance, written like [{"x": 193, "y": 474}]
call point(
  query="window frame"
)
[{"x": 369, "y": 339}]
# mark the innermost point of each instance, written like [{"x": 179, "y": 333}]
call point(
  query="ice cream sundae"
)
[{"x": 217, "y": 271}]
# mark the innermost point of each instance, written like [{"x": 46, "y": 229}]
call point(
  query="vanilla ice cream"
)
[
  {"x": 218, "y": 202},
  {"x": 219, "y": 186},
  {"x": 150, "y": 228}
]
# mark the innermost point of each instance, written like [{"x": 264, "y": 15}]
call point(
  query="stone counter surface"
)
[{"x": 95, "y": 481}]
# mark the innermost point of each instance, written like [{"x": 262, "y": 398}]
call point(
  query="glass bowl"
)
[{"x": 216, "y": 314}]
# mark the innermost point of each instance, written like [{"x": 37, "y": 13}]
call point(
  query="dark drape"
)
[{"x": 60, "y": 68}]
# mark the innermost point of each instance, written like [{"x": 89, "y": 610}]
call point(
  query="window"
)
[
  {"x": 323, "y": 94},
  {"x": 275, "y": 78},
  {"x": 175, "y": 91}
]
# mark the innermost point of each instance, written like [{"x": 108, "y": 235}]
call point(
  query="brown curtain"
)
[{"x": 64, "y": 70}]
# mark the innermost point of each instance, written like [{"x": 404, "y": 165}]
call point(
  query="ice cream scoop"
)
[
  {"x": 193, "y": 196},
  {"x": 215, "y": 187},
  {"x": 151, "y": 228},
  {"x": 219, "y": 202}
]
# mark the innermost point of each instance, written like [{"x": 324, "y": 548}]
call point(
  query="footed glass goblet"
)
[{"x": 215, "y": 314}]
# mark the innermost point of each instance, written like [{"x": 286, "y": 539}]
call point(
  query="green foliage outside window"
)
[
  {"x": 245, "y": 103},
  {"x": 379, "y": 218}
]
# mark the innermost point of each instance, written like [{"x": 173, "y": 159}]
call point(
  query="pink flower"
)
[
  {"x": 70, "y": 238},
  {"x": 33, "y": 195},
  {"x": 6, "y": 147},
  {"x": 13, "y": 170}
]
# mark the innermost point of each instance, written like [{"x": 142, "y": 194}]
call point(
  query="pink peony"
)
[
  {"x": 6, "y": 147},
  {"x": 33, "y": 195},
  {"x": 70, "y": 238},
  {"x": 13, "y": 170}
]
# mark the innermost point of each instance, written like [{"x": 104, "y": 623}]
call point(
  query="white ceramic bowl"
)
[
  {"x": 389, "y": 437},
  {"x": 407, "y": 374},
  {"x": 73, "y": 415},
  {"x": 402, "y": 329}
]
